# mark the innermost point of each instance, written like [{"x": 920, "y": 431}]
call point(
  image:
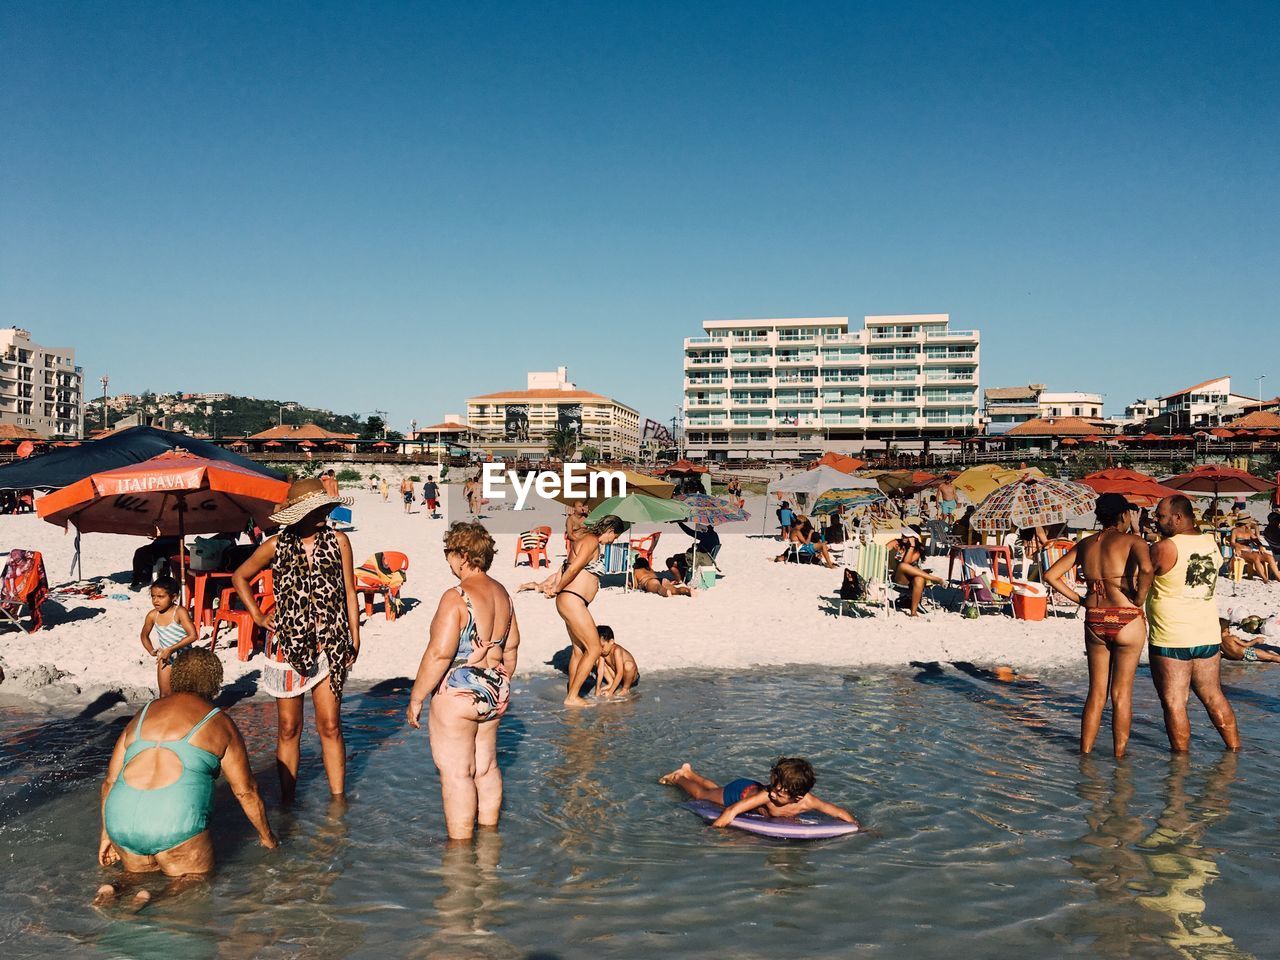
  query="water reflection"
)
[
  {"x": 1137, "y": 872},
  {"x": 469, "y": 906}
]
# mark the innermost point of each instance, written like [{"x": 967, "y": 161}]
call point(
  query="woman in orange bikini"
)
[{"x": 1115, "y": 565}]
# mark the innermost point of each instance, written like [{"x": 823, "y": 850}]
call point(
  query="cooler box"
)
[{"x": 1030, "y": 601}]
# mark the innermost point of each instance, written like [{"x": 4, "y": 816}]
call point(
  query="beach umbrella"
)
[
  {"x": 307, "y": 445},
  {"x": 815, "y": 482},
  {"x": 978, "y": 483},
  {"x": 838, "y": 461},
  {"x": 273, "y": 443},
  {"x": 636, "y": 483},
  {"x": 905, "y": 481},
  {"x": 850, "y": 499},
  {"x": 174, "y": 494},
  {"x": 1212, "y": 480},
  {"x": 1142, "y": 491},
  {"x": 1032, "y": 502},
  {"x": 711, "y": 511},
  {"x": 639, "y": 508},
  {"x": 683, "y": 466}
]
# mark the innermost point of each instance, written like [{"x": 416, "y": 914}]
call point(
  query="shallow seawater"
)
[{"x": 987, "y": 836}]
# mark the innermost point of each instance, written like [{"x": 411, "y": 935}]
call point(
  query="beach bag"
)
[
  {"x": 854, "y": 589},
  {"x": 207, "y": 553}
]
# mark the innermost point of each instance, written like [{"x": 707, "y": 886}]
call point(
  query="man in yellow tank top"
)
[{"x": 1185, "y": 647}]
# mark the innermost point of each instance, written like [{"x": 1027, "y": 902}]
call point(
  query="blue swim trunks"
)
[
  {"x": 735, "y": 790},
  {"x": 1205, "y": 651}
]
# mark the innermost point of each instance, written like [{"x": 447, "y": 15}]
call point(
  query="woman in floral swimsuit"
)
[{"x": 466, "y": 671}]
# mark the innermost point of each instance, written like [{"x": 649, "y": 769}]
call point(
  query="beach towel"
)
[{"x": 24, "y": 582}]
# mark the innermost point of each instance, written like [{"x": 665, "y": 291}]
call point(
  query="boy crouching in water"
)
[
  {"x": 790, "y": 792},
  {"x": 618, "y": 672}
]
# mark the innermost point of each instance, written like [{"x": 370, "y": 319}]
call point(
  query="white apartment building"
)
[
  {"x": 41, "y": 388},
  {"x": 798, "y": 387},
  {"x": 1208, "y": 404},
  {"x": 518, "y": 423}
]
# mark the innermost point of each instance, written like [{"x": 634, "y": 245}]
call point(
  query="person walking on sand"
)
[
  {"x": 385, "y": 489},
  {"x": 316, "y": 625},
  {"x": 1115, "y": 565},
  {"x": 1185, "y": 641},
  {"x": 406, "y": 494},
  {"x": 330, "y": 481},
  {"x": 466, "y": 672},
  {"x": 578, "y": 586}
]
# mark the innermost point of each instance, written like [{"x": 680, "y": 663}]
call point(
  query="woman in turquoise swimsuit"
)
[
  {"x": 466, "y": 671},
  {"x": 158, "y": 793}
]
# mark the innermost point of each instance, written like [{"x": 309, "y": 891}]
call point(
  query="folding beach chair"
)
[
  {"x": 23, "y": 584},
  {"x": 383, "y": 573},
  {"x": 872, "y": 566},
  {"x": 1054, "y": 551},
  {"x": 980, "y": 582},
  {"x": 941, "y": 539}
]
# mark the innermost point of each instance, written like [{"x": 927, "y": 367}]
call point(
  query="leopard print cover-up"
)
[{"x": 311, "y": 606}]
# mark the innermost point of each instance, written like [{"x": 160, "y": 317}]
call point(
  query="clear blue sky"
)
[{"x": 395, "y": 206}]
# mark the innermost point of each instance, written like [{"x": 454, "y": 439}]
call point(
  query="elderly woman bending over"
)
[{"x": 158, "y": 794}]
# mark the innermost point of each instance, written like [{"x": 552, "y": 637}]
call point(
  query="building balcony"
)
[
  {"x": 749, "y": 361},
  {"x": 700, "y": 360},
  {"x": 795, "y": 378},
  {"x": 700, "y": 384},
  {"x": 703, "y": 341},
  {"x": 934, "y": 377},
  {"x": 901, "y": 358},
  {"x": 881, "y": 335},
  {"x": 808, "y": 359},
  {"x": 951, "y": 358},
  {"x": 843, "y": 377},
  {"x": 691, "y": 402},
  {"x": 952, "y": 335},
  {"x": 761, "y": 340}
]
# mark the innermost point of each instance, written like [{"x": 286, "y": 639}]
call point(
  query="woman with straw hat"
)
[{"x": 316, "y": 625}]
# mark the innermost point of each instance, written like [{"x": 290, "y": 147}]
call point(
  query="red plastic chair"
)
[
  {"x": 534, "y": 549},
  {"x": 368, "y": 589},
  {"x": 645, "y": 546},
  {"x": 248, "y": 634}
]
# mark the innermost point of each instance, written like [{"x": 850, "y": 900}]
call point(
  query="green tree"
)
[
  {"x": 589, "y": 453},
  {"x": 374, "y": 428},
  {"x": 561, "y": 444}
]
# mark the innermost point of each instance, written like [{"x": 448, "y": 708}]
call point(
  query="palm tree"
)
[{"x": 561, "y": 443}]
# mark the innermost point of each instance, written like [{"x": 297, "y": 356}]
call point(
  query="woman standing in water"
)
[
  {"x": 578, "y": 586},
  {"x": 1116, "y": 568},
  {"x": 466, "y": 670},
  {"x": 316, "y": 621}
]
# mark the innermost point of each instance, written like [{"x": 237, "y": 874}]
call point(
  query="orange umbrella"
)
[
  {"x": 684, "y": 466},
  {"x": 306, "y": 445},
  {"x": 1214, "y": 480},
  {"x": 173, "y": 494},
  {"x": 1146, "y": 492},
  {"x": 273, "y": 443},
  {"x": 838, "y": 461}
]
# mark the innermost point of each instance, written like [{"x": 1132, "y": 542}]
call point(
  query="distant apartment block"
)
[
  {"x": 1207, "y": 404},
  {"x": 518, "y": 423},
  {"x": 41, "y": 388},
  {"x": 798, "y": 387},
  {"x": 1006, "y": 407}
]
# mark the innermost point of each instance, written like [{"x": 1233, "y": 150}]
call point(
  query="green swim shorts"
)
[{"x": 1202, "y": 652}]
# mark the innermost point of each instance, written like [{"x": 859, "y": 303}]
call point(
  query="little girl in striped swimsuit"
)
[{"x": 167, "y": 629}]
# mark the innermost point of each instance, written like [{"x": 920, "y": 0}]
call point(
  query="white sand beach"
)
[{"x": 759, "y": 613}]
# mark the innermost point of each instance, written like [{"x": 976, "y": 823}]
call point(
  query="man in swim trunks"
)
[
  {"x": 431, "y": 494},
  {"x": 947, "y": 498},
  {"x": 406, "y": 494},
  {"x": 1184, "y": 638},
  {"x": 1240, "y": 649}
]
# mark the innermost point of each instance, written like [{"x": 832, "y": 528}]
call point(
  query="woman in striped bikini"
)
[
  {"x": 1116, "y": 568},
  {"x": 167, "y": 629}
]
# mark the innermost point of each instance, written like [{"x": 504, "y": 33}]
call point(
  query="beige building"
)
[
  {"x": 517, "y": 423},
  {"x": 41, "y": 388}
]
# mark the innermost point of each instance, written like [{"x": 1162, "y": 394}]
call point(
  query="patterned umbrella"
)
[
  {"x": 833, "y": 500},
  {"x": 712, "y": 511},
  {"x": 1033, "y": 502}
]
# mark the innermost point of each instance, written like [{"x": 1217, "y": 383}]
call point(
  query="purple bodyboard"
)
[{"x": 783, "y": 828}]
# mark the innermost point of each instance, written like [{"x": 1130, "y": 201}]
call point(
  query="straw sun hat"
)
[{"x": 305, "y": 496}]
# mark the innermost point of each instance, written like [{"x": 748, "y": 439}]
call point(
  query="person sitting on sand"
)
[
  {"x": 616, "y": 669},
  {"x": 157, "y": 797},
  {"x": 648, "y": 581},
  {"x": 166, "y": 630},
  {"x": 790, "y": 792},
  {"x": 807, "y": 544},
  {"x": 908, "y": 569},
  {"x": 677, "y": 569},
  {"x": 1250, "y": 651}
]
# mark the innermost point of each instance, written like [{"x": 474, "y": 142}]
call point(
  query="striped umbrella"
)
[
  {"x": 1033, "y": 502},
  {"x": 712, "y": 511},
  {"x": 850, "y": 499}
]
